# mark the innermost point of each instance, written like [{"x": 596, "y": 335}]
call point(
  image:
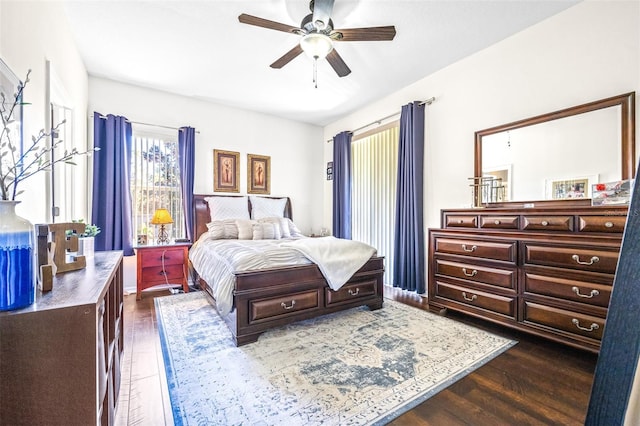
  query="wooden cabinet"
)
[
  {"x": 165, "y": 264},
  {"x": 60, "y": 357},
  {"x": 547, "y": 271}
]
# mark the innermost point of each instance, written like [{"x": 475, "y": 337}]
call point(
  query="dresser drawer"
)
[
  {"x": 568, "y": 289},
  {"x": 283, "y": 305},
  {"x": 560, "y": 319},
  {"x": 499, "y": 222},
  {"x": 547, "y": 223},
  {"x": 504, "y": 251},
  {"x": 499, "y": 277},
  {"x": 601, "y": 223},
  {"x": 479, "y": 299},
  {"x": 157, "y": 273},
  {"x": 586, "y": 259},
  {"x": 350, "y": 292},
  {"x": 158, "y": 257},
  {"x": 461, "y": 221}
]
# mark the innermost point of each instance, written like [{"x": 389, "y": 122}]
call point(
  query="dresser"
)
[
  {"x": 544, "y": 270},
  {"x": 60, "y": 357},
  {"x": 162, "y": 264}
]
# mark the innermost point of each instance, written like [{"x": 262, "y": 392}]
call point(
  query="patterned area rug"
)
[{"x": 349, "y": 368}]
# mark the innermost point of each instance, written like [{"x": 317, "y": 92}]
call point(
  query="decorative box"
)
[{"x": 611, "y": 192}]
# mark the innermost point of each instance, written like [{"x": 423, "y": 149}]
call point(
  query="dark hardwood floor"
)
[{"x": 536, "y": 382}]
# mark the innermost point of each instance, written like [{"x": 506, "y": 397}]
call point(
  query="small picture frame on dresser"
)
[{"x": 142, "y": 239}]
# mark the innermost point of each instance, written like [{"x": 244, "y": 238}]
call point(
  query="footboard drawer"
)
[
  {"x": 350, "y": 292},
  {"x": 283, "y": 305}
]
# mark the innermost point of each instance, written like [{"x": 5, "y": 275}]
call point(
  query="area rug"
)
[{"x": 354, "y": 367}]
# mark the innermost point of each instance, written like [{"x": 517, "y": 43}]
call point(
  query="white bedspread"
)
[
  {"x": 337, "y": 259},
  {"x": 217, "y": 261}
]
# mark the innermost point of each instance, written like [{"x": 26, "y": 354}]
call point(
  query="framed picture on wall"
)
[
  {"x": 226, "y": 173},
  {"x": 258, "y": 174}
]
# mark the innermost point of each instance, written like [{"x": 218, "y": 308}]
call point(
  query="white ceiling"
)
[{"x": 199, "y": 49}]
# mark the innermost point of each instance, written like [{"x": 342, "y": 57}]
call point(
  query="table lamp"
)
[{"x": 162, "y": 217}]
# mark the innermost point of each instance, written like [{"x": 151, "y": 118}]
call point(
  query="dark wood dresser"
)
[
  {"x": 60, "y": 357},
  {"x": 544, "y": 270}
]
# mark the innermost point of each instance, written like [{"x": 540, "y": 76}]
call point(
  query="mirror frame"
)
[{"x": 626, "y": 101}]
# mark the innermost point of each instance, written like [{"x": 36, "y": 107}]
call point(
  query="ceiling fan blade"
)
[
  {"x": 338, "y": 65},
  {"x": 365, "y": 34},
  {"x": 322, "y": 13},
  {"x": 287, "y": 57},
  {"x": 265, "y": 23}
]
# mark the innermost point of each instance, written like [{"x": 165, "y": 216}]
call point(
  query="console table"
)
[
  {"x": 60, "y": 357},
  {"x": 547, "y": 271}
]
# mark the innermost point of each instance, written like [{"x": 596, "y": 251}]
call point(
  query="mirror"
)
[{"x": 556, "y": 156}]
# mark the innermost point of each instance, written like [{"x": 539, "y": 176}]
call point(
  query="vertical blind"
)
[
  {"x": 374, "y": 174},
  {"x": 155, "y": 183}
]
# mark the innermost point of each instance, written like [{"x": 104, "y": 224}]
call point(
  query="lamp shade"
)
[
  {"x": 316, "y": 45},
  {"x": 161, "y": 217}
]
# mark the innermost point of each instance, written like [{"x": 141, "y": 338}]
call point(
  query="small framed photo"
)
[
  {"x": 259, "y": 174},
  {"x": 226, "y": 173},
  {"x": 572, "y": 188},
  {"x": 142, "y": 239}
]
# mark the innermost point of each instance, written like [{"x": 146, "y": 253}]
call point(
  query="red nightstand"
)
[{"x": 162, "y": 264}]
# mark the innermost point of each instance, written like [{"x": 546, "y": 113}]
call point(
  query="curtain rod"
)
[
  {"x": 149, "y": 124},
  {"x": 380, "y": 120}
]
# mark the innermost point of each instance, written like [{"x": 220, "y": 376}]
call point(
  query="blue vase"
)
[{"x": 17, "y": 259}]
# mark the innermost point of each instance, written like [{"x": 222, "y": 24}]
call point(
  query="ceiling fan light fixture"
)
[{"x": 316, "y": 45}]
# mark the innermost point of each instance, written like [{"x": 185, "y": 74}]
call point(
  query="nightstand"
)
[{"x": 162, "y": 264}]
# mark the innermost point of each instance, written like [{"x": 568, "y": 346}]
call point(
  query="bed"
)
[{"x": 273, "y": 297}]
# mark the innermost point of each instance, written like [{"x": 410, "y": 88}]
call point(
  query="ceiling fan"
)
[{"x": 318, "y": 36}]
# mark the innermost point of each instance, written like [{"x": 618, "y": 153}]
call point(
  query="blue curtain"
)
[
  {"x": 342, "y": 185},
  {"x": 186, "y": 153},
  {"x": 111, "y": 195},
  {"x": 409, "y": 233}
]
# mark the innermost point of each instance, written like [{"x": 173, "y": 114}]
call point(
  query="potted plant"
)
[{"x": 86, "y": 240}]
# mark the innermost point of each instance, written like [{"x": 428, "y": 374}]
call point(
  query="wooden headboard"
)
[{"x": 203, "y": 215}]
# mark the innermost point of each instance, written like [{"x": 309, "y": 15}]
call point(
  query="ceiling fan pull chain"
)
[{"x": 315, "y": 71}]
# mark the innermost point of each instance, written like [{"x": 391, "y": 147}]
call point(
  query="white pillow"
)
[
  {"x": 293, "y": 229},
  {"x": 281, "y": 223},
  {"x": 223, "y": 229},
  {"x": 262, "y": 207},
  {"x": 266, "y": 231},
  {"x": 245, "y": 228},
  {"x": 222, "y": 208}
]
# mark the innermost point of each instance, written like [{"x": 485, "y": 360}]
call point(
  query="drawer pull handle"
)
[
  {"x": 354, "y": 293},
  {"x": 576, "y": 290},
  {"x": 460, "y": 221},
  {"x": 594, "y": 259},
  {"x": 469, "y": 299},
  {"x": 163, "y": 272},
  {"x": 472, "y": 274},
  {"x": 497, "y": 222},
  {"x": 544, "y": 223},
  {"x": 284, "y": 305},
  {"x": 593, "y": 326},
  {"x": 473, "y": 248},
  {"x": 608, "y": 224}
]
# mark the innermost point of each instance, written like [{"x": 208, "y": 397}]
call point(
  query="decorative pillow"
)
[
  {"x": 223, "y": 229},
  {"x": 245, "y": 228},
  {"x": 293, "y": 229},
  {"x": 281, "y": 223},
  {"x": 266, "y": 231},
  {"x": 262, "y": 207},
  {"x": 222, "y": 208}
]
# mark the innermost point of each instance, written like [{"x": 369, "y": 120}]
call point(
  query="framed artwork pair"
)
[{"x": 226, "y": 172}]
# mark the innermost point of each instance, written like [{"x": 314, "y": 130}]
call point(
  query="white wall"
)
[
  {"x": 588, "y": 52},
  {"x": 32, "y": 32},
  {"x": 292, "y": 146}
]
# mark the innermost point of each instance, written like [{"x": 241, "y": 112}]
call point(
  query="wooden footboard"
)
[{"x": 272, "y": 298}]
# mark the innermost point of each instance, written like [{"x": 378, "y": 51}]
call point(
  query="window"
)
[
  {"x": 374, "y": 172},
  {"x": 155, "y": 183}
]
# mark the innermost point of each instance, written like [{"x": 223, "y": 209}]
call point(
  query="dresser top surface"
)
[{"x": 76, "y": 288}]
